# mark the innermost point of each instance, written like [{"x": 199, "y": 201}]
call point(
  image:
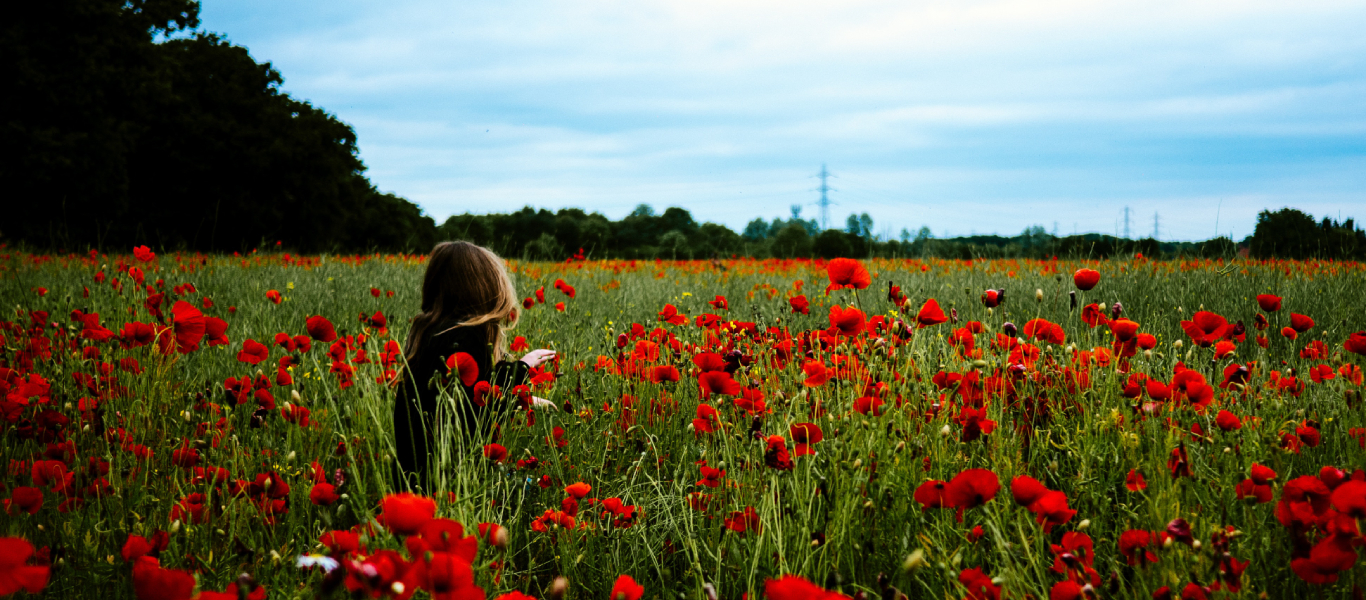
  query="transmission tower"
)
[
  {"x": 1126, "y": 222},
  {"x": 1155, "y": 227},
  {"x": 824, "y": 202}
]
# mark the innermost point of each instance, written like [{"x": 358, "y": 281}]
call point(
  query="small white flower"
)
[{"x": 308, "y": 561}]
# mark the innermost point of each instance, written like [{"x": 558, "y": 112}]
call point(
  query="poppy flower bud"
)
[
  {"x": 1102, "y": 306},
  {"x": 1072, "y": 294},
  {"x": 1010, "y": 330},
  {"x": 558, "y": 589},
  {"x": 1177, "y": 344},
  {"x": 621, "y": 340},
  {"x": 1038, "y": 295},
  {"x": 1116, "y": 310},
  {"x": 946, "y": 431},
  {"x": 175, "y": 525},
  {"x": 501, "y": 538},
  {"x": 294, "y": 395}
]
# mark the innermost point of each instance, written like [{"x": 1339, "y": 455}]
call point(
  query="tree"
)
[
  {"x": 791, "y": 242},
  {"x": 756, "y": 230},
  {"x": 1291, "y": 233},
  {"x": 127, "y": 130}
]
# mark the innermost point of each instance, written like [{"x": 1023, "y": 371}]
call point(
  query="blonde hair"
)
[{"x": 469, "y": 284}]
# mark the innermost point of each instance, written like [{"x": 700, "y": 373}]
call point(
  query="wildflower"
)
[
  {"x": 930, "y": 314},
  {"x": 406, "y": 513},
  {"x": 847, "y": 273},
  {"x": 320, "y": 329},
  {"x": 1268, "y": 302},
  {"x": 804, "y": 435},
  {"x": 626, "y": 588},
  {"x": 1086, "y": 279}
]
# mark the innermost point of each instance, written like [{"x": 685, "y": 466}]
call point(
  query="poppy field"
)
[{"x": 179, "y": 426}]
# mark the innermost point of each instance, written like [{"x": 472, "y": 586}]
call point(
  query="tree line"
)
[{"x": 675, "y": 234}]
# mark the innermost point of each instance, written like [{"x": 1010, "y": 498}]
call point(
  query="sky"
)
[{"x": 965, "y": 116}]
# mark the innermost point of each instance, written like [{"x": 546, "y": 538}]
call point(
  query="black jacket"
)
[{"x": 415, "y": 406}]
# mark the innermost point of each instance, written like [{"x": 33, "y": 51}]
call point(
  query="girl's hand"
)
[
  {"x": 542, "y": 403},
  {"x": 536, "y": 358}
]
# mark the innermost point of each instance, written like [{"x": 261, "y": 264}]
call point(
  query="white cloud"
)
[{"x": 965, "y": 115}]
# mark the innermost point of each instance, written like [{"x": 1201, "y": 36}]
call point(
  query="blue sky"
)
[{"x": 964, "y": 116}]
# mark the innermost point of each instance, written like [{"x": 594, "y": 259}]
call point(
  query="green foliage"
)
[
  {"x": 1291, "y": 233},
  {"x": 124, "y": 129}
]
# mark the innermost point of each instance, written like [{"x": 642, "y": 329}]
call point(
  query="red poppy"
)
[
  {"x": 15, "y": 575},
  {"x": 804, "y": 435},
  {"x": 776, "y": 456},
  {"x": 971, "y": 488},
  {"x": 979, "y": 584},
  {"x": 1300, "y": 323},
  {"x": 253, "y": 352},
  {"x": 816, "y": 373},
  {"x": 932, "y": 494},
  {"x": 1135, "y": 482},
  {"x": 189, "y": 326},
  {"x": 1350, "y": 499},
  {"x": 671, "y": 315},
  {"x": 1269, "y": 303},
  {"x": 1146, "y": 341},
  {"x": 215, "y": 330},
  {"x": 847, "y": 273},
  {"x": 519, "y": 344},
  {"x": 1356, "y": 343},
  {"x": 717, "y": 382},
  {"x": 662, "y": 373},
  {"x": 1228, "y": 421},
  {"x": 144, "y": 254},
  {"x": 743, "y": 521},
  {"x": 993, "y": 298},
  {"x": 1044, "y": 331},
  {"x": 559, "y": 306},
  {"x": 1093, "y": 316},
  {"x": 274, "y": 296},
  {"x": 930, "y": 314},
  {"x": 849, "y": 321},
  {"x": 1136, "y": 547},
  {"x": 1124, "y": 329},
  {"x": 709, "y": 361},
  {"x": 1086, "y": 279},
  {"x": 567, "y": 289},
  {"x": 495, "y": 452},
  {"x": 800, "y": 305},
  {"x": 319, "y": 328},
  {"x": 1205, "y": 328},
  {"x": 578, "y": 490},
  {"x": 405, "y": 513},
  {"x": 151, "y": 582},
  {"x": 1026, "y": 490},
  {"x": 26, "y": 499},
  {"x": 1052, "y": 509},
  {"x": 465, "y": 366},
  {"x": 793, "y": 587},
  {"x": 626, "y": 588},
  {"x": 719, "y": 302},
  {"x": 1289, "y": 333},
  {"x": 323, "y": 494}
]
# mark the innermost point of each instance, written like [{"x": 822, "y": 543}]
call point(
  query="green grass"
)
[{"x": 842, "y": 516}]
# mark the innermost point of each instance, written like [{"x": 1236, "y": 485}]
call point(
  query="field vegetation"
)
[{"x": 183, "y": 424}]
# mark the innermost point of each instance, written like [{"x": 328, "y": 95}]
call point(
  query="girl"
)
[{"x": 468, "y": 302}]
